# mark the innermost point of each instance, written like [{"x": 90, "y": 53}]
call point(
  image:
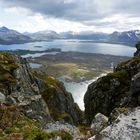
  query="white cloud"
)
[
  {"x": 1, "y": 24},
  {"x": 64, "y": 15},
  {"x": 17, "y": 11},
  {"x": 38, "y": 22},
  {"x": 69, "y": 1}
]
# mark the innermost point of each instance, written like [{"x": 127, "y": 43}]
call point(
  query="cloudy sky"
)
[{"x": 74, "y": 15}]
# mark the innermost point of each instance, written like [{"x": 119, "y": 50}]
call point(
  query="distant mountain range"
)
[
  {"x": 127, "y": 37},
  {"x": 87, "y": 35},
  {"x": 43, "y": 35},
  {"x": 9, "y": 36}
]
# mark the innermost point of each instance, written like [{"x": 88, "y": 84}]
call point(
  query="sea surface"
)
[{"x": 77, "y": 89}]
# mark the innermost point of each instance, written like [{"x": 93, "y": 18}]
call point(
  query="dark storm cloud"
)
[{"x": 79, "y": 10}]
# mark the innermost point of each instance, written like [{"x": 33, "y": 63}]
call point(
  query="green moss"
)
[
  {"x": 122, "y": 110},
  {"x": 13, "y": 124},
  {"x": 120, "y": 76},
  {"x": 130, "y": 63},
  {"x": 7, "y": 67},
  {"x": 64, "y": 135},
  {"x": 84, "y": 129},
  {"x": 38, "y": 134},
  {"x": 52, "y": 83}
]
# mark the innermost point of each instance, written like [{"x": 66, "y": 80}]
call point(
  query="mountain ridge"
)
[{"x": 8, "y": 36}]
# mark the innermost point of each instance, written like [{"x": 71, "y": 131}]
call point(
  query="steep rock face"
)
[
  {"x": 107, "y": 93},
  {"x": 60, "y": 102},
  {"x": 118, "y": 89},
  {"x": 19, "y": 87}
]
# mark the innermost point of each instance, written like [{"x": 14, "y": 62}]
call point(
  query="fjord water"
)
[{"x": 75, "y": 45}]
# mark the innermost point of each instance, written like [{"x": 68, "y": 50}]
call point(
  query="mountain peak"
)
[{"x": 4, "y": 29}]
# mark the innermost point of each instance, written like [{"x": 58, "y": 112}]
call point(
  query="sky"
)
[{"x": 70, "y": 15}]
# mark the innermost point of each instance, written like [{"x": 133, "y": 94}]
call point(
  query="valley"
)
[
  {"x": 76, "y": 70},
  {"x": 76, "y": 66}
]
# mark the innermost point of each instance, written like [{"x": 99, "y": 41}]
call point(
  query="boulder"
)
[
  {"x": 2, "y": 98},
  {"x": 99, "y": 123},
  {"x": 62, "y": 126}
]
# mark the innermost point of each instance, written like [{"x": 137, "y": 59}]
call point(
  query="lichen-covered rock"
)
[
  {"x": 116, "y": 112},
  {"x": 62, "y": 126},
  {"x": 99, "y": 123},
  {"x": 18, "y": 86},
  {"x": 125, "y": 127}
]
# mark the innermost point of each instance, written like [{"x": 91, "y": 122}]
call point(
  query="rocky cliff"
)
[
  {"x": 60, "y": 102},
  {"x": 115, "y": 90},
  {"x": 19, "y": 87},
  {"x": 27, "y": 100}
]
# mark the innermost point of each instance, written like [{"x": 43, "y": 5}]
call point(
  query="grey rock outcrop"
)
[
  {"x": 19, "y": 87},
  {"x": 41, "y": 99},
  {"x": 107, "y": 93},
  {"x": 126, "y": 127},
  {"x": 61, "y": 103},
  {"x": 99, "y": 123},
  {"x": 61, "y": 126},
  {"x": 2, "y": 98}
]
